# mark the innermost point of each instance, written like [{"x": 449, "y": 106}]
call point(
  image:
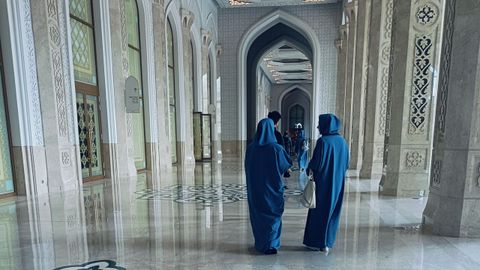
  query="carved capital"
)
[
  {"x": 338, "y": 44},
  {"x": 206, "y": 38},
  {"x": 343, "y": 32},
  {"x": 187, "y": 18},
  {"x": 219, "y": 50},
  {"x": 351, "y": 10}
]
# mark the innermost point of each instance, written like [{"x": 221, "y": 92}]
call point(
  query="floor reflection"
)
[{"x": 197, "y": 218}]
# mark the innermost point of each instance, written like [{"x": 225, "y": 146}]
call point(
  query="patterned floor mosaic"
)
[{"x": 206, "y": 195}]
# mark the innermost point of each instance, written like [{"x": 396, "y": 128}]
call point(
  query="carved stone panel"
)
[
  {"x": 414, "y": 160},
  {"x": 421, "y": 85},
  {"x": 436, "y": 170},
  {"x": 57, "y": 65}
]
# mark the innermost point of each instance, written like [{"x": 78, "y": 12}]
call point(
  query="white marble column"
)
[
  {"x": 161, "y": 84},
  {"x": 377, "y": 88},
  {"x": 453, "y": 207},
  {"x": 217, "y": 124},
  {"x": 341, "y": 44},
  {"x": 187, "y": 21},
  {"x": 23, "y": 98},
  {"x": 351, "y": 10},
  {"x": 207, "y": 92},
  {"x": 416, "y": 38},
  {"x": 51, "y": 34},
  {"x": 360, "y": 84},
  {"x": 119, "y": 45}
]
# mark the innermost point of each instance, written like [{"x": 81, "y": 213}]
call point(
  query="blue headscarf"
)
[
  {"x": 265, "y": 133},
  {"x": 328, "y": 124}
]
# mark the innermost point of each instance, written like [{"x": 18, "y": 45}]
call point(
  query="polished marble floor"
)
[{"x": 198, "y": 219}]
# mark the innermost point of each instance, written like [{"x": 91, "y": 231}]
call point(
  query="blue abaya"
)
[
  {"x": 329, "y": 164},
  {"x": 265, "y": 163},
  {"x": 301, "y": 151}
]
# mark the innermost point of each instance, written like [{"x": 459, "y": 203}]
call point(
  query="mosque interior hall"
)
[{"x": 124, "y": 126}]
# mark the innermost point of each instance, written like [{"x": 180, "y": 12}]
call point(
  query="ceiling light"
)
[{"x": 238, "y": 3}]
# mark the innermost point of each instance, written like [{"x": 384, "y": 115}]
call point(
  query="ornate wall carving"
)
[
  {"x": 123, "y": 22},
  {"x": 385, "y": 59},
  {"x": 66, "y": 160},
  {"x": 425, "y": 42},
  {"x": 478, "y": 175},
  {"x": 445, "y": 67},
  {"x": 57, "y": 65},
  {"x": 443, "y": 93},
  {"x": 436, "y": 168},
  {"x": 414, "y": 160},
  {"x": 421, "y": 85},
  {"x": 427, "y": 14},
  {"x": 34, "y": 97}
]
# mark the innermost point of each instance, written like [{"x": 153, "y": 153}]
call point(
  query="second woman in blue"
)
[
  {"x": 265, "y": 163},
  {"x": 329, "y": 164}
]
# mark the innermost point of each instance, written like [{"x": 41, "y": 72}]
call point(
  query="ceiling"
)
[
  {"x": 286, "y": 64},
  {"x": 270, "y": 3}
]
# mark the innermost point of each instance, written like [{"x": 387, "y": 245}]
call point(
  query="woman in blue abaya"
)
[
  {"x": 301, "y": 149},
  {"x": 265, "y": 163},
  {"x": 329, "y": 164}
]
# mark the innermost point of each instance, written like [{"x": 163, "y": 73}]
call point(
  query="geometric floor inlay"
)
[
  {"x": 206, "y": 195},
  {"x": 93, "y": 265}
]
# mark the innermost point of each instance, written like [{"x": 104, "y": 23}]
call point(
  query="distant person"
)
[
  {"x": 265, "y": 163},
  {"x": 276, "y": 116},
  {"x": 329, "y": 164},
  {"x": 288, "y": 142},
  {"x": 301, "y": 148}
]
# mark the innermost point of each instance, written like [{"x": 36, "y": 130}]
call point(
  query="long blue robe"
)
[
  {"x": 301, "y": 151},
  {"x": 329, "y": 164},
  {"x": 265, "y": 163}
]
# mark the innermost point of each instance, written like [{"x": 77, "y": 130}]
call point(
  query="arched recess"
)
[
  {"x": 297, "y": 25},
  {"x": 284, "y": 96},
  {"x": 297, "y": 95},
  {"x": 173, "y": 17},
  {"x": 278, "y": 33}
]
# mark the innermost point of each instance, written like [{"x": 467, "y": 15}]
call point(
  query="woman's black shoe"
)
[{"x": 270, "y": 251}]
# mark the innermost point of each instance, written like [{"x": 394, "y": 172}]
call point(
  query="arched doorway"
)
[
  {"x": 277, "y": 27},
  {"x": 265, "y": 43}
]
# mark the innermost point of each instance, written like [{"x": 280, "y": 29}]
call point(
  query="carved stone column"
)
[
  {"x": 351, "y": 10},
  {"x": 187, "y": 21},
  {"x": 119, "y": 45},
  {"x": 161, "y": 84},
  {"x": 360, "y": 84},
  {"x": 453, "y": 207},
  {"x": 57, "y": 93},
  {"x": 416, "y": 31},
  {"x": 23, "y": 99},
  {"x": 342, "y": 45},
  {"x": 376, "y": 109},
  {"x": 206, "y": 41},
  {"x": 217, "y": 124},
  {"x": 208, "y": 102}
]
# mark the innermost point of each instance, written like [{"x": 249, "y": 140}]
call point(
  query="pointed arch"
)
[{"x": 249, "y": 37}]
